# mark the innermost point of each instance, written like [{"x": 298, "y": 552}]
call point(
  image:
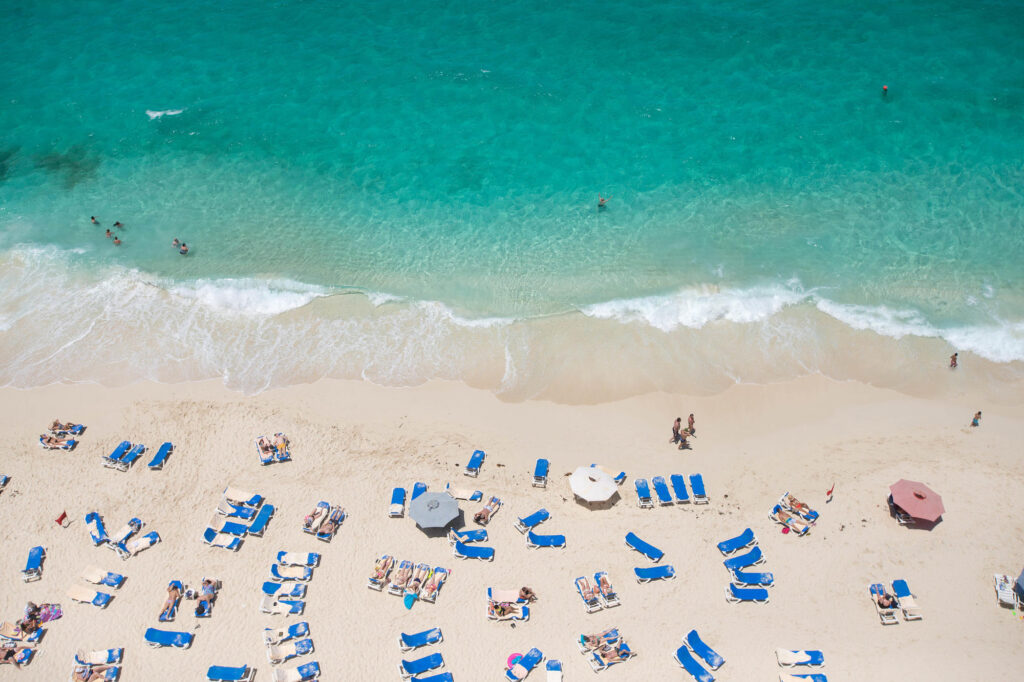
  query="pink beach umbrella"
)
[{"x": 917, "y": 499}]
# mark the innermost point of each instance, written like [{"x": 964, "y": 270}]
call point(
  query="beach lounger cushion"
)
[
  {"x": 700, "y": 496},
  {"x": 420, "y": 665},
  {"x": 98, "y": 576},
  {"x": 679, "y": 488},
  {"x": 742, "y": 579},
  {"x": 298, "y": 558},
  {"x": 222, "y": 540},
  {"x": 533, "y": 540},
  {"x": 96, "y": 529},
  {"x": 751, "y": 558},
  {"x": 540, "y": 474},
  {"x": 643, "y": 494},
  {"x": 88, "y": 595},
  {"x": 419, "y": 639},
  {"x": 607, "y": 594},
  {"x": 647, "y": 574},
  {"x": 34, "y": 564},
  {"x": 100, "y": 657},
  {"x": 527, "y": 522},
  {"x": 734, "y": 594},
  {"x": 161, "y": 456},
  {"x": 591, "y": 603},
  {"x": 466, "y": 536},
  {"x": 744, "y": 539},
  {"x": 161, "y": 638},
  {"x": 263, "y": 516},
  {"x": 463, "y": 551},
  {"x": 648, "y": 550},
  {"x": 473, "y": 468},
  {"x": 224, "y": 673},
  {"x": 907, "y": 600},
  {"x": 286, "y": 573},
  {"x": 397, "y": 503},
  {"x": 662, "y": 491}
]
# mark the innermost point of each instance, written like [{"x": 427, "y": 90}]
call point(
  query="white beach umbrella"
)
[{"x": 592, "y": 485}]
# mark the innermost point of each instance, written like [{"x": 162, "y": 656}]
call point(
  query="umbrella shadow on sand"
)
[
  {"x": 598, "y": 506},
  {"x": 458, "y": 523}
]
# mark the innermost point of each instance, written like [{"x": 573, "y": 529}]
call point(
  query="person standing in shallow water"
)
[
  {"x": 952, "y": 360},
  {"x": 977, "y": 419}
]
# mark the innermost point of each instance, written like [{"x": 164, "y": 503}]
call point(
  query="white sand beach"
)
[{"x": 352, "y": 442}]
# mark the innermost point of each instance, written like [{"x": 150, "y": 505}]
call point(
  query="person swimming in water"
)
[
  {"x": 117, "y": 241},
  {"x": 94, "y": 221},
  {"x": 184, "y": 249},
  {"x": 601, "y": 201},
  {"x": 108, "y": 234},
  {"x": 118, "y": 224}
]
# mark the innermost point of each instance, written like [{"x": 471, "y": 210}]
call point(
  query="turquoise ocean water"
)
[{"x": 405, "y": 191}]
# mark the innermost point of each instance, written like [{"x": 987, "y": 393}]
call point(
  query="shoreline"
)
[{"x": 352, "y": 442}]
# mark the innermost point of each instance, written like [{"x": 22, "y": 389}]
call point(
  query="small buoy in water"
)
[{"x": 885, "y": 90}]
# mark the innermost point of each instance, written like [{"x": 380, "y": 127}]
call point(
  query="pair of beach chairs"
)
[
  {"x": 97, "y": 576},
  {"x": 118, "y": 542},
  {"x": 599, "y": 596},
  {"x": 159, "y": 639},
  {"x": 746, "y": 586},
  {"x": 324, "y": 521},
  {"x": 692, "y": 649},
  {"x": 464, "y": 547},
  {"x": 271, "y": 452},
  {"x": 506, "y": 605},
  {"x": 68, "y": 444},
  {"x": 87, "y": 664},
  {"x": 610, "y": 641},
  {"x": 1006, "y": 591},
  {"x": 422, "y": 665},
  {"x": 124, "y": 456},
  {"x": 291, "y": 647},
  {"x": 520, "y": 669},
  {"x": 804, "y": 658},
  {"x": 526, "y": 525},
  {"x": 793, "y": 514},
  {"x": 226, "y": 529},
  {"x": 904, "y": 601},
  {"x": 284, "y": 644},
  {"x": 644, "y": 500},
  {"x": 647, "y": 574}
]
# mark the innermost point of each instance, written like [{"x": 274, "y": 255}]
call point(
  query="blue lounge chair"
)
[
  {"x": 388, "y": 563},
  {"x": 418, "y": 489},
  {"x": 525, "y": 666},
  {"x": 298, "y": 558},
  {"x": 229, "y": 527},
  {"x": 266, "y": 456},
  {"x": 329, "y": 528},
  {"x": 96, "y": 528},
  {"x": 645, "y": 575},
  {"x": 4, "y": 480},
  {"x": 554, "y": 668},
  {"x": 161, "y": 456},
  {"x": 591, "y": 603},
  {"x": 540, "y": 474},
  {"x": 690, "y": 665},
  {"x": 439, "y": 677},
  {"x": 278, "y": 635},
  {"x": 643, "y": 494},
  {"x": 159, "y": 638},
  {"x": 473, "y": 468},
  {"x": 286, "y": 454},
  {"x": 287, "y": 574},
  {"x": 126, "y": 531},
  {"x": 603, "y": 587},
  {"x": 278, "y": 590},
  {"x": 114, "y": 458},
  {"x": 279, "y": 653},
  {"x": 611, "y": 636},
  {"x": 713, "y": 659},
  {"x": 679, "y": 488},
  {"x": 397, "y": 508},
  {"x": 172, "y": 614},
  {"x": 503, "y": 597},
  {"x": 86, "y": 595},
  {"x": 223, "y": 673},
  {"x": 906, "y": 600},
  {"x": 97, "y": 576},
  {"x": 475, "y": 535},
  {"x": 215, "y": 539},
  {"x": 744, "y": 539},
  {"x": 751, "y": 558},
  {"x": 649, "y": 551},
  {"x": 744, "y": 579},
  {"x": 887, "y": 614},
  {"x": 101, "y": 657},
  {"x": 599, "y": 664},
  {"x": 811, "y": 677},
  {"x": 242, "y": 498},
  {"x": 259, "y": 524},
  {"x": 421, "y": 665},
  {"x": 415, "y": 641},
  {"x": 462, "y": 551},
  {"x": 126, "y": 462},
  {"x": 534, "y": 541},
  {"x": 662, "y": 491},
  {"x": 700, "y": 496},
  {"x": 227, "y": 508},
  {"x": 528, "y": 522},
  {"x": 306, "y": 671},
  {"x": 75, "y": 430},
  {"x": 130, "y": 549},
  {"x": 734, "y": 594},
  {"x": 34, "y": 565},
  {"x": 281, "y": 607},
  {"x": 793, "y": 657}
]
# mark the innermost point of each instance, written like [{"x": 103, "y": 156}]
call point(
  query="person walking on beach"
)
[
  {"x": 977, "y": 418},
  {"x": 677, "y": 425},
  {"x": 952, "y": 360},
  {"x": 689, "y": 423}
]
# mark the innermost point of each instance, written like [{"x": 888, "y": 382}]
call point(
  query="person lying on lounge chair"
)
[
  {"x": 207, "y": 595},
  {"x": 605, "y": 586},
  {"x": 417, "y": 580},
  {"x": 592, "y": 641},
  {"x": 484, "y": 515},
  {"x": 796, "y": 505},
  {"x": 612, "y": 653},
  {"x": 55, "y": 441},
  {"x": 380, "y": 569},
  {"x": 401, "y": 578},
  {"x": 266, "y": 445},
  {"x": 10, "y": 655},
  {"x": 88, "y": 673},
  {"x": 173, "y": 595},
  {"x": 57, "y": 426},
  {"x": 501, "y": 609},
  {"x": 793, "y": 522},
  {"x": 527, "y": 594},
  {"x": 331, "y": 524},
  {"x": 308, "y": 521}
]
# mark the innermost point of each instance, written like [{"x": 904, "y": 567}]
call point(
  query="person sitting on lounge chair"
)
[
  {"x": 527, "y": 594},
  {"x": 592, "y": 641},
  {"x": 612, "y": 653},
  {"x": 207, "y": 595},
  {"x": 605, "y": 586},
  {"x": 281, "y": 443},
  {"x": 887, "y": 601},
  {"x": 173, "y": 595},
  {"x": 484, "y": 515}
]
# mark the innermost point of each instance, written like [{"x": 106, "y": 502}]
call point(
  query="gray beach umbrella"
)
[{"x": 433, "y": 510}]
